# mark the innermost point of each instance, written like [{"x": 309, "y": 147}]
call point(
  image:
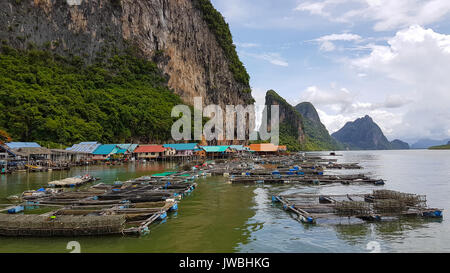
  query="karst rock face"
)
[
  {"x": 288, "y": 115},
  {"x": 363, "y": 134},
  {"x": 172, "y": 32},
  {"x": 314, "y": 128},
  {"x": 307, "y": 110}
]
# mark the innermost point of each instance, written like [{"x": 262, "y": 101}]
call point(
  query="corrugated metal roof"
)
[
  {"x": 7, "y": 150},
  {"x": 17, "y": 145},
  {"x": 27, "y": 151},
  {"x": 128, "y": 147},
  {"x": 106, "y": 149},
  {"x": 182, "y": 147},
  {"x": 215, "y": 149},
  {"x": 149, "y": 149},
  {"x": 84, "y": 147},
  {"x": 239, "y": 147}
]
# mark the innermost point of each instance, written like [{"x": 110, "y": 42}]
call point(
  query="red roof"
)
[{"x": 149, "y": 149}]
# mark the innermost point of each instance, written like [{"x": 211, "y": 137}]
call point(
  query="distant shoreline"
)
[{"x": 440, "y": 147}]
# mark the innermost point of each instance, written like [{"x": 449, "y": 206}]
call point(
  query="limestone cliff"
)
[
  {"x": 317, "y": 133},
  {"x": 172, "y": 32},
  {"x": 290, "y": 122}
]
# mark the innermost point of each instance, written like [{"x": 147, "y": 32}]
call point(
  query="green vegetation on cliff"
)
[
  {"x": 53, "y": 99},
  {"x": 221, "y": 30},
  {"x": 318, "y": 137},
  {"x": 291, "y": 122},
  {"x": 300, "y": 127}
]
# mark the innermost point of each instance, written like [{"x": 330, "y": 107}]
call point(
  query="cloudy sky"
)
[{"x": 388, "y": 59}]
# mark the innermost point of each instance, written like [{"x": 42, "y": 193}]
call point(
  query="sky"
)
[{"x": 350, "y": 58}]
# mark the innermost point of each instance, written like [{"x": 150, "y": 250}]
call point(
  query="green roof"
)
[
  {"x": 163, "y": 174},
  {"x": 182, "y": 146}
]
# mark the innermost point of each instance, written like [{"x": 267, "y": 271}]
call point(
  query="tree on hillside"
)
[{"x": 4, "y": 137}]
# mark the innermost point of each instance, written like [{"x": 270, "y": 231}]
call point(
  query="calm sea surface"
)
[{"x": 220, "y": 217}]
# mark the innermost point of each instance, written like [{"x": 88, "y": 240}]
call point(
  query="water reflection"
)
[{"x": 219, "y": 217}]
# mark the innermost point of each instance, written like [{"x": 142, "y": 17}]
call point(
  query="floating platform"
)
[
  {"x": 367, "y": 207},
  {"x": 314, "y": 180},
  {"x": 126, "y": 208},
  {"x": 57, "y": 226}
]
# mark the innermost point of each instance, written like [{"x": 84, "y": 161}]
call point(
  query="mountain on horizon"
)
[
  {"x": 365, "y": 134},
  {"x": 397, "y": 144},
  {"x": 426, "y": 143}
]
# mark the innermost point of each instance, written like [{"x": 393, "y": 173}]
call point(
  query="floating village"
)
[{"x": 84, "y": 206}]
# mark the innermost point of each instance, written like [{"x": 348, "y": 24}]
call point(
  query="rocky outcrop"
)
[
  {"x": 397, "y": 144},
  {"x": 316, "y": 132},
  {"x": 172, "y": 32},
  {"x": 307, "y": 110},
  {"x": 362, "y": 134},
  {"x": 291, "y": 122}
]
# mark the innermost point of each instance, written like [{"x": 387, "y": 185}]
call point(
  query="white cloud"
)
[
  {"x": 418, "y": 60},
  {"x": 340, "y": 37},
  {"x": 273, "y": 58},
  {"x": 326, "y": 42},
  {"x": 327, "y": 46},
  {"x": 316, "y": 8},
  {"x": 396, "y": 101},
  {"x": 336, "y": 106},
  {"x": 386, "y": 120},
  {"x": 386, "y": 14},
  {"x": 340, "y": 100},
  {"x": 247, "y": 45}
]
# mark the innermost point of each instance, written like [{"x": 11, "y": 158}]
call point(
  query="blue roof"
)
[
  {"x": 121, "y": 151},
  {"x": 17, "y": 145},
  {"x": 182, "y": 147},
  {"x": 84, "y": 147},
  {"x": 105, "y": 149}
]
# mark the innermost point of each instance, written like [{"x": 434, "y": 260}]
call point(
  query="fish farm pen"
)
[
  {"x": 367, "y": 207},
  {"x": 125, "y": 208},
  {"x": 131, "y": 207}
]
